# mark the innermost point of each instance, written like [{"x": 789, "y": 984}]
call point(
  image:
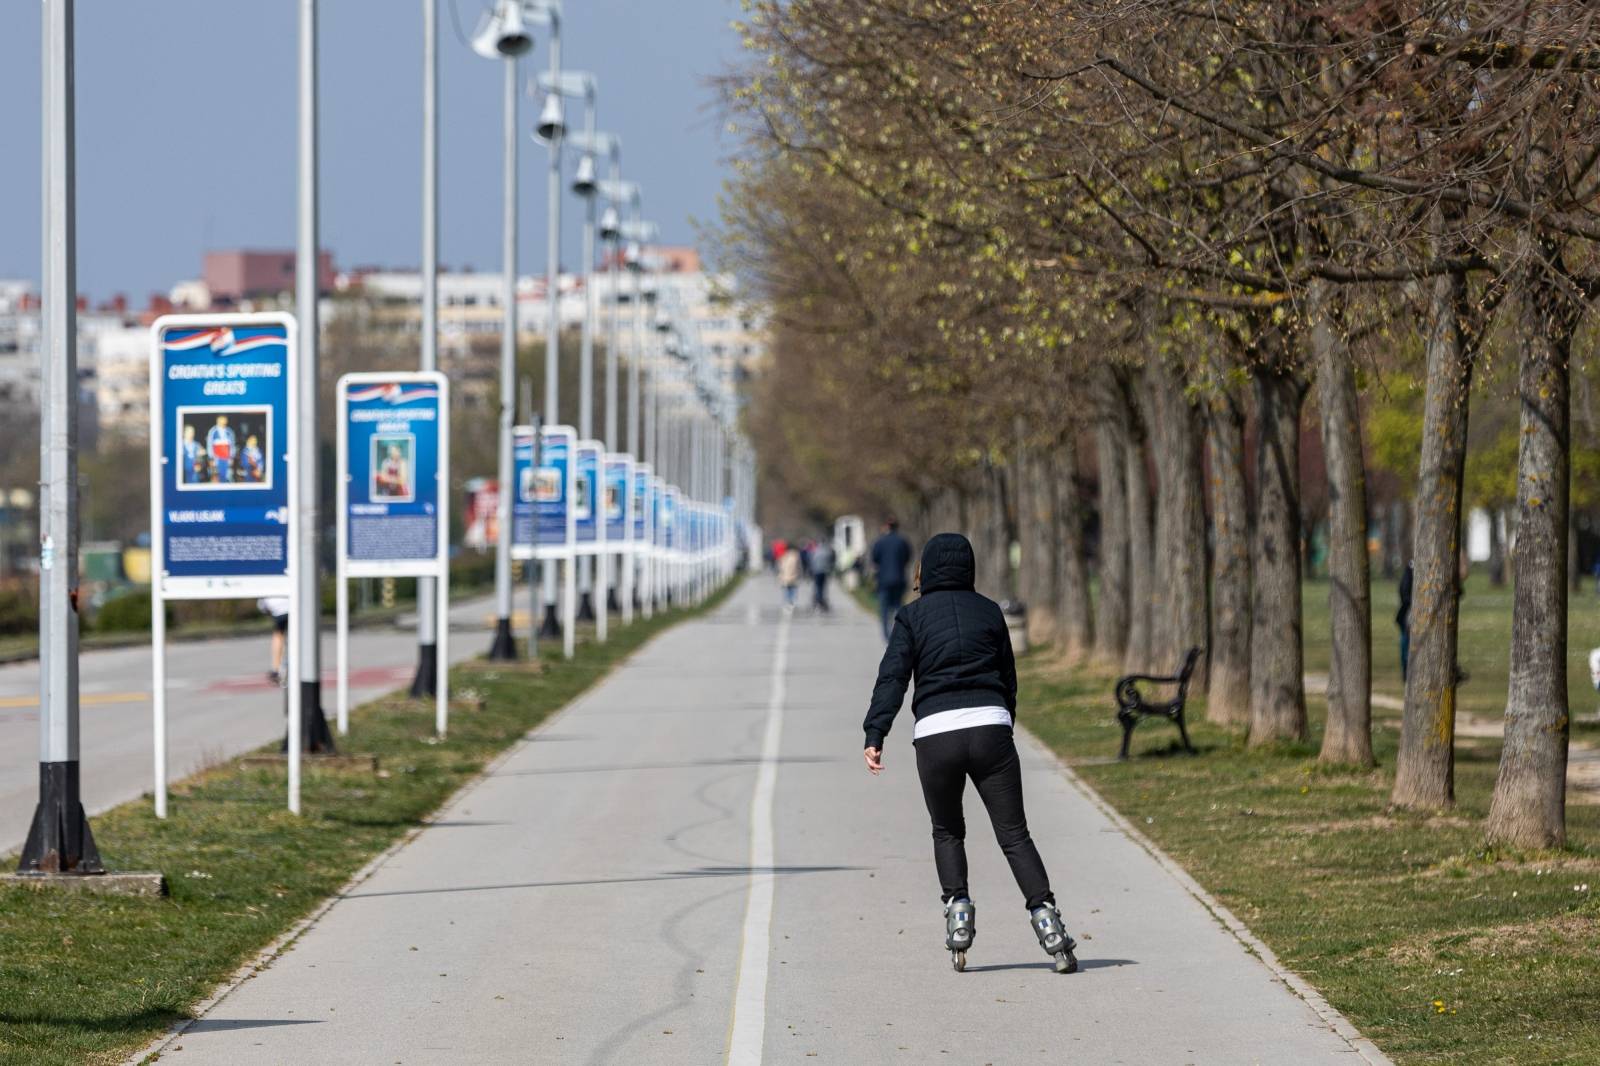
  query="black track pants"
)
[{"x": 988, "y": 755}]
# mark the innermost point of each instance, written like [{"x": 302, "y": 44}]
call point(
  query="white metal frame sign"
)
[
  {"x": 223, "y": 478},
  {"x": 393, "y": 512}
]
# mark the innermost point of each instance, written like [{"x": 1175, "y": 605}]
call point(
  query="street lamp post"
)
[
  {"x": 582, "y": 85},
  {"x": 552, "y": 126},
  {"x": 59, "y": 840},
  {"x": 307, "y": 629},
  {"x": 426, "y": 680},
  {"x": 502, "y": 36}
]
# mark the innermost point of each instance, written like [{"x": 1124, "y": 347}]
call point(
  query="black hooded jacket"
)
[{"x": 951, "y": 640}]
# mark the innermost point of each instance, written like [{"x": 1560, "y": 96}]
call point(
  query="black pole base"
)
[
  {"x": 315, "y": 736},
  {"x": 550, "y": 628},
  {"x": 426, "y": 681},
  {"x": 504, "y": 647},
  {"x": 59, "y": 841},
  {"x": 585, "y": 607},
  {"x": 613, "y": 604}
]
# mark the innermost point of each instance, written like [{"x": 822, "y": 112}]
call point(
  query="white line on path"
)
[{"x": 747, "y": 1033}]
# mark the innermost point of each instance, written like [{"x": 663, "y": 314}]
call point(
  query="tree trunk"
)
[
  {"x": 1178, "y": 606},
  {"x": 986, "y": 527},
  {"x": 1141, "y": 557},
  {"x": 1277, "y": 682},
  {"x": 1038, "y": 531},
  {"x": 1075, "y": 617},
  {"x": 1424, "y": 775},
  {"x": 1529, "y": 805},
  {"x": 1111, "y": 610},
  {"x": 1228, "y": 702},
  {"x": 1347, "y": 737}
]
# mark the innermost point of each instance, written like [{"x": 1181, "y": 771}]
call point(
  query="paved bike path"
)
[{"x": 689, "y": 865}]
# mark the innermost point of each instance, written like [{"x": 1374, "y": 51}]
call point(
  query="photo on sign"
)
[
  {"x": 542, "y": 484},
  {"x": 581, "y": 491},
  {"x": 613, "y": 502},
  {"x": 224, "y": 447},
  {"x": 393, "y": 478}
]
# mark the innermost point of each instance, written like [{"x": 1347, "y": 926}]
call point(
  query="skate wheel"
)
[
  {"x": 1066, "y": 962},
  {"x": 958, "y": 960}
]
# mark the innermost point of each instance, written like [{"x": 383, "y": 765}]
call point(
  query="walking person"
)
[
  {"x": 822, "y": 562},
  {"x": 277, "y": 608},
  {"x": 891, "y": 557},
  {"x": 953, "y": 642},
  {"x": 1402, "y": 619},
  {"x": 789, "y": 576}
]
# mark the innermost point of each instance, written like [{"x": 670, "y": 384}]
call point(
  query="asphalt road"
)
[
  {"x": 219, "y": 704},
  {"x": 690, "y": 865}
]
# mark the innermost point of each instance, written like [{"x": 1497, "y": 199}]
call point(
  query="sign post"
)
[
  {"x": 554, "y": 490},
  {"x": 223, "y": 484},
  {"x": 393, "y": 503}
]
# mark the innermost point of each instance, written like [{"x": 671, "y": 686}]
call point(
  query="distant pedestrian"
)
[
  {"x": 276, "y": 608},
  {"x": 953, "y": 641},
  {"x": 1402, "y": 618},
  {"x": 822, "y": 562},
  {"x": 789, "y": 570},
  {"x": 891, "y": 557}
]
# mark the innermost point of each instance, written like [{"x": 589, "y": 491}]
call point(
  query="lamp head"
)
[
  {"x": 610, "y": 224},
  {"x": 552, "y": 122},
  {"x": 634, "y": 256},
  {"x": 584, "y": 183},
  {"x": 503, "y": 34}
]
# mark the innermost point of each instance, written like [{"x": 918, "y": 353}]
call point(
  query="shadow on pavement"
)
[
  {"x": 1083, "y": 964},
  {"x": 228, "y": 1025},
  {"x": 741, "y": 760},
  {"x": 668, "y": 875}
]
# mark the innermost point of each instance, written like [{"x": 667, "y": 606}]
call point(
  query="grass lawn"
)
[
  {"x": 1438, "y": 948},
  {"x": 88, "y": 979}
]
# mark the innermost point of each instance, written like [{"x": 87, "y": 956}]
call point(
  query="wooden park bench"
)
[{"x": 1132, "y": 706}]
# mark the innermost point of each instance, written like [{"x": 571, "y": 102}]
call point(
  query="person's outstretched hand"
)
[{"x": 874, "y": 758}]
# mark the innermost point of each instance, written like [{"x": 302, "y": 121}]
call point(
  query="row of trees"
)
[{"x": 1002, "y": 242}]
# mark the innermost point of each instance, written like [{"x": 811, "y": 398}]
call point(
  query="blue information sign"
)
[
  {"x": 586, "y": 491},
  {"x": 618, "y": 498},
  {"x": 391, "y": 432},
  {"x": 667, "y": 519},
  {"x": 551, "y": 488},
  {"x": 643, "y": 501},
  {"x": 222, "y": 432},
  {"x": 524, "y": 482}
]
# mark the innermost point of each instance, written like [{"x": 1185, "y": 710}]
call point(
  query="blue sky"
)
[{"x": 186, "y": 130}]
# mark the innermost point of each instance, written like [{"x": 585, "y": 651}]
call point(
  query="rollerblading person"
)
[
  {"x": 960, "y": 926},
  {"x": 953, "y": 642}
]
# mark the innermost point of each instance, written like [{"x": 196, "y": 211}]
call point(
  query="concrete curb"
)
[
  {"x": 1331, "y": 1017},
  {"x": 264, "y": 958}
]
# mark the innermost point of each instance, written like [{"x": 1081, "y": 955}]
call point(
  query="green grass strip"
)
[
  {"x": 1435, "y": 946},
  {"x": 92, "y": 979}
]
